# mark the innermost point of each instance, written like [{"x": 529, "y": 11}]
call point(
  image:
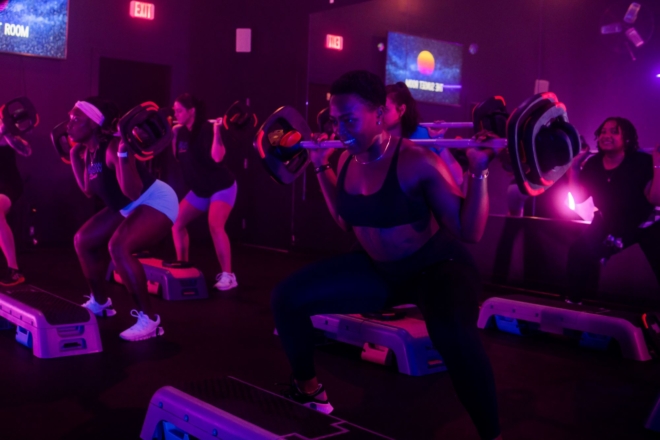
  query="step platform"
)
[
  {"x": 173, "y": 281},
  {"x": 653, "y": 420},
  {"x": 51, "y": 326},
  {"x": 405, "y": 339},
  {"x": 231, "y": 409},
  {"x": 521, "y": 313}
]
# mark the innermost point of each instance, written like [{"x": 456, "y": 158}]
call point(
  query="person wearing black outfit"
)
[
  {"x": 409, "y": 217},
  {"x": 11, "y": 188},
  {"x": 140, "y": 211},
  {"x": 198, "y": 147},
  {"x": 625, "y": 186}
]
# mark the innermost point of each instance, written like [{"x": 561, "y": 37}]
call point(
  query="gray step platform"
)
[
  {"x": 554, "y": 316},
  {"x": 50, "y": 325},
  {"x": 406, "y": 338},
  {"x": 173, "y": 284},
  {"x": 231, "y": 409}
]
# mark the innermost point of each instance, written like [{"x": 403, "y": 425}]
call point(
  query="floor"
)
[{"x": 548, "y": 387}]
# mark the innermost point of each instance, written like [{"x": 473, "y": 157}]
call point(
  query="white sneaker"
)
[
  {"x": 145, "y": 328},
  {"x": 103, "y": 310},
  {"x": 226, "y": 281}
]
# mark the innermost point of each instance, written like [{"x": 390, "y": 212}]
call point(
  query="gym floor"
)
[{"x": 548, "y": 388}]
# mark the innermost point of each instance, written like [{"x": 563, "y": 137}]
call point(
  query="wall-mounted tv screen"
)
[
  {"x": 430, "y": 68},
  {"x": 34, "y": 27}
]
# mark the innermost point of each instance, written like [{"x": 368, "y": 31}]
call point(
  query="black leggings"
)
[
  {"x": 583, "y": 266},
  {"x": 446, "y": 293}
]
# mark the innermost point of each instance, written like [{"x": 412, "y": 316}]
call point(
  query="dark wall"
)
[{"x": 97, "y": 29}]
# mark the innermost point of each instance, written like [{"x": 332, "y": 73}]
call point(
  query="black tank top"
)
[
  {"x": 103, "y": 180},
  {"x": 9, "y": 174},
  {"x": 201, "y": 173},
  {"x": 386, "y": 208},
  {"x": 11, "y": 184}
]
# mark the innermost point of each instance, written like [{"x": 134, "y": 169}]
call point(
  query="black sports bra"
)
[{"x": 386, "y": 208}]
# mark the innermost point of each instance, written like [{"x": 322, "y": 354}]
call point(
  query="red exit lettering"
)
[
  {"x": 142, "y": 10},
  {"x": 334, "y": 42}
]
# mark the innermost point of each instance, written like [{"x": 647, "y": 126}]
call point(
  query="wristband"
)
[
  {"x": 122, "y": 154},
  {"x": 322, "y": 168},
  {"x": 480, "y": 176}
]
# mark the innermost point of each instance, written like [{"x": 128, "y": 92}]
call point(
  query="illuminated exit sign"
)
[
  {"x": 334, "y": 42},
  {"x": 142, "y": 10}
]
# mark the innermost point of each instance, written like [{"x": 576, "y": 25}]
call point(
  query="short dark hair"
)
[
  {"x": 189, "y": 101},
  {"x": 368, "y": 86},
  {"x": 400, "y": 95},
  {"x": 628, "y": 131}
]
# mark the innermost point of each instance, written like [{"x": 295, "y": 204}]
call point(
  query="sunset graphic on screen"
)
[
  {"x": 430, "y": 68},
  {"x": 425, "y": 62}
]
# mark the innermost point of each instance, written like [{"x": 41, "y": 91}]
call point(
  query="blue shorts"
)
[
  {"x": 159, "y": 196},
  {"x": 227, "y": 196}
]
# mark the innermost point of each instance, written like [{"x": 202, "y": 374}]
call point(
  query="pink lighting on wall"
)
[
  {"x": 142, "y": 10},
  {"x": 334, "y": 42}
]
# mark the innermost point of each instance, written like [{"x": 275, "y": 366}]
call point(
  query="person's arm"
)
[
  {"x": 77, "y": 157},
  {"x": 454, "y": 167},
  {"x": 328, "y": 180},
  {"x": 653, "y": 187},
  {"x": 465, "y": 217},
  {"x": 123, "y": 161},
  {"x": 19, "y": 144},
  {"x": 217, "y": 148}
]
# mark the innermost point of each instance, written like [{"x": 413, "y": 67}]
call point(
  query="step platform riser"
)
[
  {"x": 407, "y": 339},
  {"x": 231, "y": 409},
  {"x": 175, "y": 284},
  {"x": 51, "y": 326},
  {"x": 598, "y": 325}
]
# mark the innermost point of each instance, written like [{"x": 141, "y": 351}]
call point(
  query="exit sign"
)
[
  {"x": 142, "y": 10},
  {"x": 334, "y": 42}
]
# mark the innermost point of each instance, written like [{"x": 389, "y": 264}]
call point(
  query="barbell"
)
[
  {"x": 540, "y": 140},
  {"x": 488, "y": 115}
]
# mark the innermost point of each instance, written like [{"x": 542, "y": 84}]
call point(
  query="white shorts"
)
[{"x": 159, "y": 196}]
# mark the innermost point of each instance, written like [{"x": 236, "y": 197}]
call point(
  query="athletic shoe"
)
[
  {"x": 573, "y": 302},
  {"x": 101, "y": 310},
  {"x": 225, "y": 281},
  {"x": 145, "y": 328},
  {"x": 317, "y": 401},
  {"x": 12, "y": 278}
]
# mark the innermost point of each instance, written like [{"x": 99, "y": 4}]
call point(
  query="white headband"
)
[{"x": 91, "y": 111}]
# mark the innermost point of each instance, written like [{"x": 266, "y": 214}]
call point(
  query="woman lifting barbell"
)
[
  {"x": 409, "y": 216},
  {"x": 198, "y": 147},
  {"x": 11, "y": 188},
  {"x": 140, "y": 211}
]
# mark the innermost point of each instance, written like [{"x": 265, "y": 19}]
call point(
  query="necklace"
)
[
  {"x": 379, "y": 157},
  {"x": 92, "y": 155}
]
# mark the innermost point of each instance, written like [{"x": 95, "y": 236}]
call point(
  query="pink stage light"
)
[{"x": 571, "y": 202}]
